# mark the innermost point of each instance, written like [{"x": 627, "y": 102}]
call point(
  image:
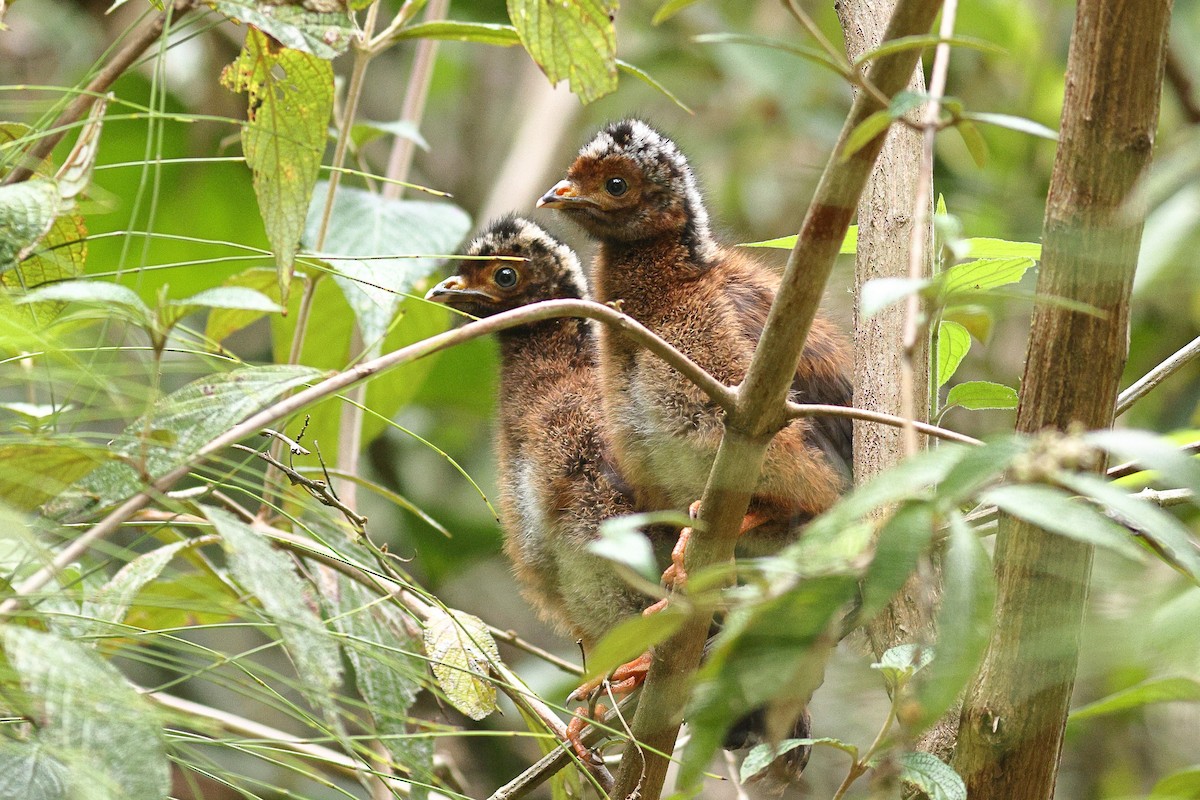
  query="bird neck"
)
[
  {"x": 544, "y": 350},
  {"x": 636, "y": 272}
]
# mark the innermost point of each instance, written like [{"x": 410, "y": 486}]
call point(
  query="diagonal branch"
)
[{"x": 761, "y": 403}]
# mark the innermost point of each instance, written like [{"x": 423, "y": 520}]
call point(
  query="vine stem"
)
[{"x": 720, "y": 394}]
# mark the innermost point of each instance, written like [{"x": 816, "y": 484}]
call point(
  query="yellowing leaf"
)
[
  {"x": 461, "y": 650},
  {"x": 291, "y": 99},
  {"x": 572, "y": 41}
]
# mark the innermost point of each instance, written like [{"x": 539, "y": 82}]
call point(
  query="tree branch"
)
[
  {"x": 96, "y": 87},
  {"x": 1150, "y": 381},
  {"x": 762, "y": 405}
]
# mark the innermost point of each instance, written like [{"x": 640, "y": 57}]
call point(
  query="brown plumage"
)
[
  {"x": 558, "y": 481},
  {"x": 633, "y": 191}
]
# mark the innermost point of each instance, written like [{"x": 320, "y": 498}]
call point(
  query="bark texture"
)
[
  {"x": 1015, "y": 712},
  {"x": 761, "y": 409}
]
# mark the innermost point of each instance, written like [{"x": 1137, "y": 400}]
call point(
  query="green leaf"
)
[
  {"x": 1056, "y": 511},
  {"x": 27, "y": 771},
  {"x": 648, "y": 79},
  {"x": 1181, "y": 785},
  {"x": 571, "y": 41},
  {"x": 922, "y": 41},
  {"x": 366, "y": 131},
  {"x": 980, "y": 395},
  {"x": 668, "y": 10},
  {"x": 771, "y": 653},
  {"x": 284, "y": 137},
  {"x": 230, "y": 297},
  {"x": 621, "y": 541},
  {"x": 480, "y": 32},
  {"x": 807, "y": 53},
  {"x": 188, "y": 419},
  {"x": 324, "y": 35},
  {"x": 59, "y": 256},
  {"x": 931, "y": 775},
  {"x": 964, "y": 620},
  {"x": 461, "y": 651},
  {"x": 394, "y": 241},
  {"x": 1001, "y": 248},
  {"x": 761, "y": 755},
  {"x": 270, "y": 576},
  {"x": 849, "y": 244},
  {"x": 904, "y": 537},
  {"x": 900, "y": 663},
  {"x": 986, "y": 273},
  {"x": 632, "y": 637},
  {"x": 953, "y": 343},
  {"x": 864, "y": 133},
  {"x": 973, "y": 139},
  {"x": 1157, "y": 690},
  {"x": 879, "y": 293},
  {"x": 977, "y": 467},
  {"x": 89, "y": 717},
  {"x": 977, "y": 319},
  {"x": 27, "y": 210},
  {"x": 1162, "y": 529},
  {"x": 1014, "y": 124},
  {"x": 110, "y": 603},
  {"x": 92, "y": 292},
  {"x": 38, "y": 470},
  {"x": 387, "y": 669},
  {"x": 1153, "y": 451},
  {"x": 223, "y": 322}
]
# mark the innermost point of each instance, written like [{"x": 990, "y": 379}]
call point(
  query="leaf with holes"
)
[
  {"x": 380, "y": 247},
  {"x": 270, "y": 576},
  {"x": 461, "y": 651},
  {"x": 572, "y": 41},
  {"x": 323, "y": 30},
  {"x": 90, "y": 717},
  {"x": 290, "y": 101}
]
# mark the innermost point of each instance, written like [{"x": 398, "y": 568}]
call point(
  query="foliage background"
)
[{"x": 763, "y": 124}]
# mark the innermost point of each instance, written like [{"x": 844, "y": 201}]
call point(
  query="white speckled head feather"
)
[
  {"x": 517, "y": 236},
  {"x": 664, "y": 164}
]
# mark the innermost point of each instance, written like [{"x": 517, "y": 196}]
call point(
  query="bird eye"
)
[
  {"x": 616, "y": 186},
  {"x": 505, "y": 277}
]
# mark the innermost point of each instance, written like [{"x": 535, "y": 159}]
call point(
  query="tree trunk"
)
[{"x": 1015, "y": 712}]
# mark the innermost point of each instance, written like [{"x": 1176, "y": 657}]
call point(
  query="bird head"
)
[
  {"x": 631, "y": 183},
  {"x": 485, "y": 285}
]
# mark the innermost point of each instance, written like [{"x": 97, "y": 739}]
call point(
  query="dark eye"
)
[
  {"x": 616, "y": 186},
  {"x": 505, "y": 277}
]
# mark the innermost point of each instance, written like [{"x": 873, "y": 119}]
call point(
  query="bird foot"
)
[
  {"x": 623, "y": 680},
  {"x": 574, "y": 735}
]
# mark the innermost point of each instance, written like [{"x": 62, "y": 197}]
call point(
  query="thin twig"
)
[
  {"x": 413, "y": 108},
  {"x": 320, "y": 490},
  {"x": 813, "y": 409},
  {"x": 275, "y": 737},
  {"x": 1148, "y": 382},
  {"x": 922, "y": 202},
  {"x": 98, "y": 85}
]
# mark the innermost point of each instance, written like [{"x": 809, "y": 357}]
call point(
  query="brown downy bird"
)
[
  {"x": 558, "y": 480},
  {"x": 632, "y": 190}
]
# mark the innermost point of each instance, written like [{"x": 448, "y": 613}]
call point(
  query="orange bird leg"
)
[{"x": 623, "y": 680}]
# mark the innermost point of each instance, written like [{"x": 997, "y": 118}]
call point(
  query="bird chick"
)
[
  {"x": 558, "y": 480},
  {"x": 632, "y": 189}
]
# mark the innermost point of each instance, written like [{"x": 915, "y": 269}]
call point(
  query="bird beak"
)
[
  {"x": 561, "y": 195},
  {"x": 453, "y": 291}
]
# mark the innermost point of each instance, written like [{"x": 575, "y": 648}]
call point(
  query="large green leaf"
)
[
  {"x": 901, "y": 542},
  {"x": 1157, "y": 690},
  {"x": 271, "y": 578},
  {"x": 393, "y": 241},
  {"x": 37, "y": 470},
  {"x": 572, "y": 41},
  {"x": 89, "y": 718},
  {"x": 322, "y": 34},
  {"x": 986, "y": 273},
  {"x": 387, "y": 669},
  {"x": 27, "y": 211},
  {"x": 290, "y": 101},
  {"x": 1058, "y": 512},
  {"x": 29, "y": 772},
  {"x": 1181, "y": 785},
  {"x": 980, "y": 395},
  {"x": 931, "y": 775},
  {"x": 185, "y": 420}
]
